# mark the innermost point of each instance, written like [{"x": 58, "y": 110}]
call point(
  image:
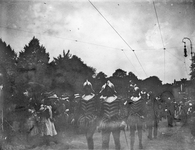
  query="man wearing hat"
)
[
  {"x": 111, "y": 121},
  {"x": 86, "y": 113}
]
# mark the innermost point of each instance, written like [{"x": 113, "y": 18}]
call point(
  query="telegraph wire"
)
[
  {"x": 185, "y": 68},
  {"x": 155, "y": 49},
  {"x": 73, "y": 40},
  {"x": 118, "y": 35},
  {"x": 129, "y": 60},
  {"x": 140, "y": 64},
  {"x": 158, "y": 25},
  {"x": 123, "y": 50},
  {"x": 107, "y": 46},
  {"x": 175, "y": 56},
  {"x": 160, "y": 36},
  {"x": 110, "y": 25},
  {"x": 28, "y": 1},
  {"x": 79, "y": 41}
]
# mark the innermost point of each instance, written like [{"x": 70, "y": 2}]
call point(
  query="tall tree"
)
[
  {"x": 132, "y": 76},
  {"x": 7, "y": 70},
  {"x": 119, "y": 73},
  {"x": 70, "y": 72},
  {"x": 100, "y": 79},
  {"x": 33, "y": 62},
  {"x": 119, "y": 80},
  {"x": 153, "y": 84},
  {"x": 101, "y": 76},
  {"x": 7, "y": 58},
  {"x": 60, "y": 65},
  {"x": 8, "y": 62}
]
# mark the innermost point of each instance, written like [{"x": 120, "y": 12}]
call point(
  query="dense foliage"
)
[{"x": 64, "y": 75}]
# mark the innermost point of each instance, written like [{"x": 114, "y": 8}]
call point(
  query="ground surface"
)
[{"x": 175, "y": 138}]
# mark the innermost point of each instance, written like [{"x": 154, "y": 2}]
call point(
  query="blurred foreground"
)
[{"x": 169, "y": 138}]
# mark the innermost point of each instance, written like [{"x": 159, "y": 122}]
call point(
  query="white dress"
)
[{"x": 49, "y": 127}]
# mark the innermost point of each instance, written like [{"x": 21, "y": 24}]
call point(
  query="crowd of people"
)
[{"x": 106, "y": 112}]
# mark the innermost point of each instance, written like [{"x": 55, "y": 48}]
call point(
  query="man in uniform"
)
[
  {"x": 136, "y": 113},
  {"x": 87, "y": 114},
  {"x": 111, "y": 120}
]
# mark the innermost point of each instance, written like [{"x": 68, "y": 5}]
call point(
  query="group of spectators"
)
[{"x": 102, "y": 111}]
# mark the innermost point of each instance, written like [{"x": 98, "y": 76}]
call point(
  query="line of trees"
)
[{"x": 64, "y": 75}]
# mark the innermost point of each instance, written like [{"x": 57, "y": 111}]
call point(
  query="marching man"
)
[
  {"x": 111, "y": 120},
  {"x": 136, "y": 114},
  {"x": 86, "y": 113}
]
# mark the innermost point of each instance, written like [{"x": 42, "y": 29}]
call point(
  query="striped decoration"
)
[
  {"x": 87, "y": 112},
  {"x": 110, "y": 112},
  {"x": 137, "y": 108}
]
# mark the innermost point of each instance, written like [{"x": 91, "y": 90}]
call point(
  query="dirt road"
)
[{"x": 175, "y": 138}]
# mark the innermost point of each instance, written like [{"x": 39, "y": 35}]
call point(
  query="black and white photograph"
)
[{"x": 97, "y": 74}]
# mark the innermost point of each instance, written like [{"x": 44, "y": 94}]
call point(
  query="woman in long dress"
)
[{"x": 47, "y": 125}]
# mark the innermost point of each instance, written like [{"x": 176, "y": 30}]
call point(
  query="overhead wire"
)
[
  {"x": 158, "y": 25},
  {"x": 64, "y": 38},
  {"x": 27, "y": 1},
  {"x": 79, "y": 41},
  {"x": 129, "y": 60},
  {"x": 175, "y": 56},
  {"x": 75, "y": 40},
  {"x": 119, "y": 36},
  {"x": 183, "y": 61},
  {"x": 164, "y": 44},
  {"x": 178, "y": 58},
  {"x": 160, "y": 36},
  {"x": 110, "y": 25},
  {"x": 155, "y": 49},
  {"x": 121, "y": 49}
]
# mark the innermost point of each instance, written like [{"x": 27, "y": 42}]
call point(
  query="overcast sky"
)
[{"x": 77, "y": 26}]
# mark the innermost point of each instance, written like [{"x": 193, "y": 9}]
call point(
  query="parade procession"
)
[
  {"x": 136, "y": 111},
  {"x": 97, "y": 75}
]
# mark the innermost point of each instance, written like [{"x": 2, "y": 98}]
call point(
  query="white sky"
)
[{"x": 58, "y": 24}]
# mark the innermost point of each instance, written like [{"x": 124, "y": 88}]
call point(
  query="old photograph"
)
[{"x": 97, "y": 74}]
